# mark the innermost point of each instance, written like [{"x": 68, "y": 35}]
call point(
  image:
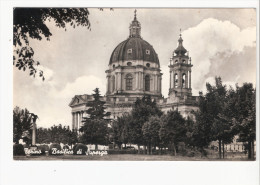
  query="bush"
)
[
  {"x": 18, "y": 149},
  {"x": 25, "y": 146},
  {"x": 54, "y": 145},
  {"x": 43, "y": 148},
  {"x": 81, "y": 147},
  {"x": 66, "y": 147}
]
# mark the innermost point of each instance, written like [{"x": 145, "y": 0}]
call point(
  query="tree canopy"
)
[
  {"x": 22, "y": 124},
  {"x": 94, "y": 129},
  {"x": 31, "y": 23}
]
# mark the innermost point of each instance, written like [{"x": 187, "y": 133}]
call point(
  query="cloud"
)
[
  {"x": 209, "y": 39},
  {"x": 82, "y": 85},
  {"x": 48, "y": 75},
  {"x": 165, "y": 80}
]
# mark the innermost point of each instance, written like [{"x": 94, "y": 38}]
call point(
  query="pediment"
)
[{"x": 76, "y": 100}]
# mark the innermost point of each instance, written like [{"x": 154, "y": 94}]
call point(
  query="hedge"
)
[
  {"x": 18, "y": 149},
  {"x": 81, "y": 147},
  {"x": 55, "y": 145}
]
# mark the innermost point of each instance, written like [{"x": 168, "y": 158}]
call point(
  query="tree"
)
[
  {"x": 243, "y": 106},
  {"x": 97, "y": 109},
  {"x": 173, "y": 129},
  {"x": 94, "y": 127},
  {"x": 31, "y": 23},
  {"x": 94, "y": 132},
  {"x": 211, "y": 123},
  {"x": 150, "y": 131},
  {"x": 22, "y": 123},
  {"x": 56, "y": 134},
  {"x": 142, "y": 110},
  {"x": 120, "y": 129}
]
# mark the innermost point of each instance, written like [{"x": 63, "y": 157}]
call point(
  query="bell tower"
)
[{"x": 180, "y": 72}]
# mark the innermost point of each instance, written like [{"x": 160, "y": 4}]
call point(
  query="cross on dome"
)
[{"x": 135, "y": 27}]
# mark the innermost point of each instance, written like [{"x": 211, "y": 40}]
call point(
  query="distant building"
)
[{"x": 133, "y": 72}]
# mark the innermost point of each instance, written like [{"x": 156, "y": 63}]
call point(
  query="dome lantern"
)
[{"x": 135, "y": 27}]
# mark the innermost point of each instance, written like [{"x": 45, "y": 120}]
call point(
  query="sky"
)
[{"x": 221, "y": 42}]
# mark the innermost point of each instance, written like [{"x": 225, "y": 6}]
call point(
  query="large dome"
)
[{"x": 134, "y": 48}]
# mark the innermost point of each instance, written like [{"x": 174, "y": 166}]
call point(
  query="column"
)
[
  {"x": 136, "y": 81},
  {"x": 72, "y": 126},
  {"x": 186, "y": 80},
  {"x": 180, "y": 79},
  {"x": 116, "y": 81},
  {"x": 120, "y": 81},
  {"x": 142, "y": 81},
  {"x": 80, "y": 119},
  {"x": 170, "y": 79},
  {"x": 108, "y": 84},
  {"x": 190, "y": 79},
  {"x": 77, "y": 121},
  {"x": 156, "y": 83}
]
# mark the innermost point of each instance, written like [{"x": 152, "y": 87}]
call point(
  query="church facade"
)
[{"x": 133, "y": 72}]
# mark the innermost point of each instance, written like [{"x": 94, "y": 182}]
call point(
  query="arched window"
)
[
  {"x": 175, "y": 80},
  {"x": 183, "y": 80},
  {"x": 129, "y": 82},
  {"x": 113, "y": 83},
  {"x": 147, "y": 83},
  {"x": 129, "y": 63}
]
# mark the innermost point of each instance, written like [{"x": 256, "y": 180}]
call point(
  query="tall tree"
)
[
  {"x": 120, "y": 129},
  {"x": 211, "y": 124},
  {"x": 150, "y": 131},
  {"x": 243, "y": 106},
  {"x": 94, "y": 127},
  {"x": 94, "y": 132},
  {"x": 173, "y": 129},
  {"x": 142, "y": 110},
  {"x": 97, "y": 109},
  {"x": 22, "y": 123}
]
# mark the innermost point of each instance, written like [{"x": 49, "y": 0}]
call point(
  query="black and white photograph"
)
[
  {"x": 134, "y": 84},
  {"x": 156, "y": 95}
]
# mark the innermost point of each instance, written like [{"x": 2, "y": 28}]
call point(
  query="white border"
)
[{"x": 109, "y": 172}]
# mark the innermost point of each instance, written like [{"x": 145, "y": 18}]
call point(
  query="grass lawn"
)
[{"x": 128, "y": 157}]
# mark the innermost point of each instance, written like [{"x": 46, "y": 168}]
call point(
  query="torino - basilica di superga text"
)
[{"x": 133, "y": 72}]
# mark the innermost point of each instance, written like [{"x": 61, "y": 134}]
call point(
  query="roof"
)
[{"x": 140, "y": 50}]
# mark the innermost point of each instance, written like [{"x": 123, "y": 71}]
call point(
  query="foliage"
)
[
  {"x": 80, "y": 147},
  {"x": 54, "y": 145},
  {"x": 56, "y": 134},
  {"x": 31, "y": 23},
  {"x": 18, "y": 149},
  {"x": 120, "y": 129},
  {"x": 242, "y": 105},
  {"x": 150, "y": 131},
  {"x": 97, "y": 109},
  {"x": 94, "y": 132},
  {"x": 211, "y": 120},
  {"x": 94, "y": 129},
  {"x": 22, "y": 124},
  {"x": 142, "y": 110},
  {"x": 173, "y": 129}
]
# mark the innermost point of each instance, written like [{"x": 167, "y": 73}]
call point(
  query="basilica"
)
[{"x": 133, "y": 72}]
